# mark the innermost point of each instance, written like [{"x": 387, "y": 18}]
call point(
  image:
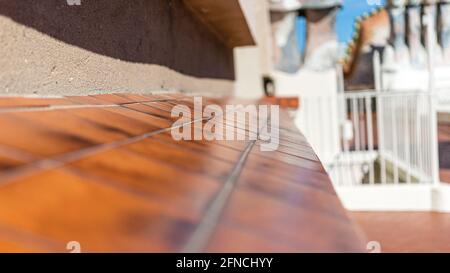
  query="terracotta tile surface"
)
[
  {"x": 7, "y": 163},
  {"x": 89, "y": 100},
  {"x": 9, "y": 103},
  {"x": 407, "y": 232},
  {"x": 287, "y": 102},
  {"x": 105, "y": 171},
  {"x": 31, "y": 137}
]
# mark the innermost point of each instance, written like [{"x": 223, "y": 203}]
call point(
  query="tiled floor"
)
[
  {"x": 408, "y": 231},
  {"x": 104, "y": 171},
  {"x": 444, "y": 151}
]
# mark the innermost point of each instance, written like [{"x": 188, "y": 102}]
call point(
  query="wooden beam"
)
[{"x": 225, "y": 19}]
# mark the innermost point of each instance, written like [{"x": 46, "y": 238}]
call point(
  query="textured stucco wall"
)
[{"x": 51, "y": 48}]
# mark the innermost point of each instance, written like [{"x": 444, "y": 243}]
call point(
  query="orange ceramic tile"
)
[
  {"x": 183, "y": 159},
  {"x": 160, "y": 106},
  {"x": 7, "y": 246},
  {"x": 172, "y": 95},
  {"x": 245, "y": 241},
  {"x": 21, "y": 102},
  {"x": 234, "y": 145},
  {"x": 141, "y": 190},
  {"x": 136, "y": 97},
  {"x": 294, "y": 193},
  {"x": 150, "y": 178},
  {"x": 406, "y": 231},
  {"x": 206, "y": 148},
  {"x": 112, "y": 98},
  {"x": 142, "y": 117},
  {"x": 16, "y": 154},
  {"x": 146, "y": 109},
  {"x": 65, "y": 208},
  {"x": 275, "y": 218},
  {"x": 189, "y": 103},
  {"x": 87, "y": 100},
  {"x": 65, "y": 122},
  {"x": 114, "y": 122},
  {"x": 301, "y": 162},
  {"x": 284, "y": 102},
  {"x": 238, "y": 144},
  {"x": 8, "y": 163},
  {"x": 289, "y": 173},
  {"x": 13, "y": 240},
  {"x": 300, "y": 152},
  {"x": 303, "y": 146},
  {"x": 36, "y": 139}
]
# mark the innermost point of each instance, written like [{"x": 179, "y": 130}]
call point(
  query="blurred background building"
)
[{"x": 372, "y": 78}]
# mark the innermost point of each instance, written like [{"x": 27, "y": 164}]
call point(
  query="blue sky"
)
[{"x": 345, "y": 19}]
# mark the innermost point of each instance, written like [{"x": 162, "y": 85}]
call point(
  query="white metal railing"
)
[{"x": 368, "y": 138}]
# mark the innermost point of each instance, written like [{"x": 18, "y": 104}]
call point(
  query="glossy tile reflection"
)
[{"x": 105, "y": 171}]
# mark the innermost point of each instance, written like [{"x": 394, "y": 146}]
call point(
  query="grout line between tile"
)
[
  {"x": 52, "y": 163},
  {"x": 206, "y": 227},
  {"x": 76, "y": 106},
  {"x": 16, "y": 154},
  {"x": 61, "y": 160},
  {"x": 54, "y": 107}
]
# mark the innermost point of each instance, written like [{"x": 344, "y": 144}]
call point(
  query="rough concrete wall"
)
[{"x": 49, "y": 47}]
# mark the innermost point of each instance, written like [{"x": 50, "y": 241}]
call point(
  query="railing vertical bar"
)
[
  {"x": 362, "y": 123},
  {"x": 394, "y": 142},
  {"x": 345, "y": 160},
  {"x": 370, "y": 137},
  {"x": 419, "y": 133},
  {"x": 348, "y": 160},
  {"x": 407, "y": 141},
  {"x": 381, "y": 109},
  {"x": 401, "y": 138},
  {"x": 426, "y": 139},
  {"x": 355, "y": 115},
  {"x": 387, "y": 134},
  {"x": 412, "y": 131},
  {"x": 434, "y": 149}
]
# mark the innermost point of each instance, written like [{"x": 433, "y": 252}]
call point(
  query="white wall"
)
[
  {"x": 251, "y": 63},
  {"x": 317, "y": 117}
]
